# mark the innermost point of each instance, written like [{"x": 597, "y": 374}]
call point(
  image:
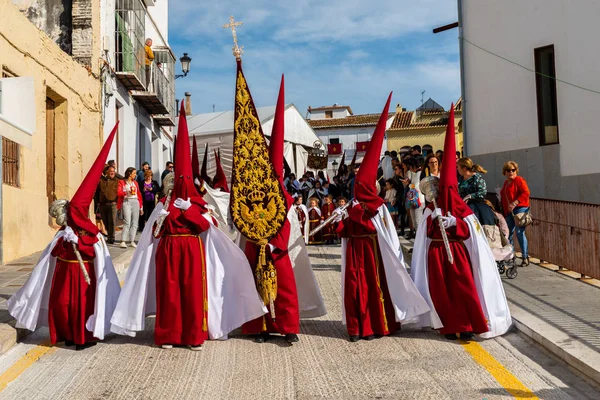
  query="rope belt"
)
[
  {"x": 71, "y": 261},
  {"x": 183, "y": 235},
  {"x": 313, "y": 220},
  {"x": 450, "y": 240},
  {"x": 364, "y": 236}
]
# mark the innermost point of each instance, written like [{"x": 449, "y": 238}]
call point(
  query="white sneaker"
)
[
  {"x": 132, "y": 244},
  {"x": 196, "y": 348},
  {"x": 167, "y": 346},
  {"x": 123, "y": 245}
]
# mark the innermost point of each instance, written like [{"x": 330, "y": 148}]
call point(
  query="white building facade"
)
[
  {"x": 337, "y": 125},
  {"x": 142, "y": 101},
  {"x": 545, "y": 121}
]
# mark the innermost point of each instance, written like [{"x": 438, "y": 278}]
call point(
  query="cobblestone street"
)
[{"x": 410, "y": 364}]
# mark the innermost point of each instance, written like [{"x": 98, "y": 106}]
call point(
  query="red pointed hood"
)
[
  {"x": 203, "y": 171},
  {"x": 339, "y": 171},
  {"x": 79, "y": 205},
  {"x": 195, "y": 160},
  {"x": 365, "y": 190},
  {"x": 220, "y": 179},
  {"x": 184, "y": 178},
  {"x": 353, "y": 162},
  {"x": 277, "y": 140},
  {"x": 277, "y": 133},
  {"x": 449, "y": 200}
]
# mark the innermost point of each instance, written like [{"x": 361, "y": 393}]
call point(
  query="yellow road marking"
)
[
  {"x": 23, "y": 363},
  {"x": 508, "y": 381}
]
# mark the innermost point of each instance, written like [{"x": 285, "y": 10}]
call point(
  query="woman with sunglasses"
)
[{"x": 515, "y": 200}]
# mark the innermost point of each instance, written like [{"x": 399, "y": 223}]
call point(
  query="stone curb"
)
[
  {"x": 9, "y": 335},
  {"x": 576, "y": 354}
]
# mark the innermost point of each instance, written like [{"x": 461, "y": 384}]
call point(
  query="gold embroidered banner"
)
[{"x": 257, "y": 204}]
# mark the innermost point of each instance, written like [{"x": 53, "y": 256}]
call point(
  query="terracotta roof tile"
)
[
  {"x": 405, "y": 120},
  {"x": 353, "y": 120}
]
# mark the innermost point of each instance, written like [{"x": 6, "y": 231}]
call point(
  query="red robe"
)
[
  {"x": 287, "y": 313},
  {"x": 329, "y": 230},
  {"x": 314, "y": 220},
  {"x": 367, "y": 302},
  {"x": 181, "y": 291},
  {"x": 451, "y": 286},
  {"x": 72, "y": 300}
]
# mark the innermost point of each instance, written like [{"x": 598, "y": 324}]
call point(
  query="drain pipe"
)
[{"x": 462, "y": 77}]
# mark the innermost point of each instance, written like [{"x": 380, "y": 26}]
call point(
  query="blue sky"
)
[{"x": 350, "y": 52}]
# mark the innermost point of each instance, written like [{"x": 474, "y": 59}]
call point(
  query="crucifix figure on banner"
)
[{"x": 237, "y": 51}]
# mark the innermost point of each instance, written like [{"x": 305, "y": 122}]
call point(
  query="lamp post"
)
[
  {"x": 185, "y": 65},
  {"x": 334, "y": 164}
]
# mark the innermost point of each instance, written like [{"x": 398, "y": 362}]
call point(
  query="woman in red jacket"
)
[
  {"x": 130, "y": 200},
  {"x": 515, "y": 200}
]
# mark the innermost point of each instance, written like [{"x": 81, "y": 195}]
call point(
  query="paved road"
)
[{"x": 408, "y": 365}]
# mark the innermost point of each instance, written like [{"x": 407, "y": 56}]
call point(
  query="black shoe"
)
[
  {"x": 354, "y": 338},
  {"x": 69, "y": 343},
  {"x": 450, "y": 336},
  {"x": 525, "y": 262},
  {"x": 291, "y": 338},
  {"x": 259, "y": 339},
  {"x": 467, "y": 336},
  {"x": 111, "y": 241},
  {"x": 369, "y": 338},
  {"x": 84, "y": 346}
]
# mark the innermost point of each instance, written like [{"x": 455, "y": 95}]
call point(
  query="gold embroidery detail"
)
[
  {"x": 258, "y": 208},
  {"x": 266, "y": 284}
]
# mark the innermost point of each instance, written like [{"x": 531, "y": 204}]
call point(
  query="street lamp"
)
[
  {"x": 185, "y": 65},
  {"x": 334, "y": 164}
]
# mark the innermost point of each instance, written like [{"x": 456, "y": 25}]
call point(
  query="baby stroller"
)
[{"x": 501, "y": 248}]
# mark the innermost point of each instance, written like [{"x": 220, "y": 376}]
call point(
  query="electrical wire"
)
[{"x": 529, "y": 69}]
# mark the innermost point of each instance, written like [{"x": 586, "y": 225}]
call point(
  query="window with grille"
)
[
  {"x": 10, "y": 152},
  {"x": 10, "y": 162},
  {"x": 130, "y": 22}
]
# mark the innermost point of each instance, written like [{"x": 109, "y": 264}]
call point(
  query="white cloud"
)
[
  {"x": 315, "y": 20},
  {"x": 352, "y": 51}
]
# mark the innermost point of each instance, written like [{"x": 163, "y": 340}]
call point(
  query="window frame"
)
[{"x": 537, "y": 52}]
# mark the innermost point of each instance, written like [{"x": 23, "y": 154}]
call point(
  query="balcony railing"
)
[
  {"x": 159, "y": 98},
  {"x": 130, "y": 56}
]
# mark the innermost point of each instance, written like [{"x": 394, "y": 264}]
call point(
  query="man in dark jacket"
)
[{"x": 106, "y": 195}]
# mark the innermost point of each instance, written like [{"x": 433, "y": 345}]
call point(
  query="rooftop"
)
[
  {"x": 333, "y": 107},
  {"x": 351, "y": 121}
]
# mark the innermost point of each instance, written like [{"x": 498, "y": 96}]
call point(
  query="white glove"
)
[
  {"x": 449, "y": 221},
  {"x": 322, "y": 222},
  {"x": 467, "y": 198},
  {"x": 337, "y": 211},
  {"x": 437, "y": 213},
  {"x": 163, "y": 213},
  {"x": 197, "y": 182},
  {"x": 70, "y": 235},
  {"x": 182, "y": 204}
]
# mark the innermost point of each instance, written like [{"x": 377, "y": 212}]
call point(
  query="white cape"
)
[
  {"x": 232, "y": 296},
  {"x": 408, "y": 302},
  {"x": 29, "y": 305},
  {"x": 219, "y": 201},
  {"x": 310, "y": 300},
  {"x": 485, "y": 273}
]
